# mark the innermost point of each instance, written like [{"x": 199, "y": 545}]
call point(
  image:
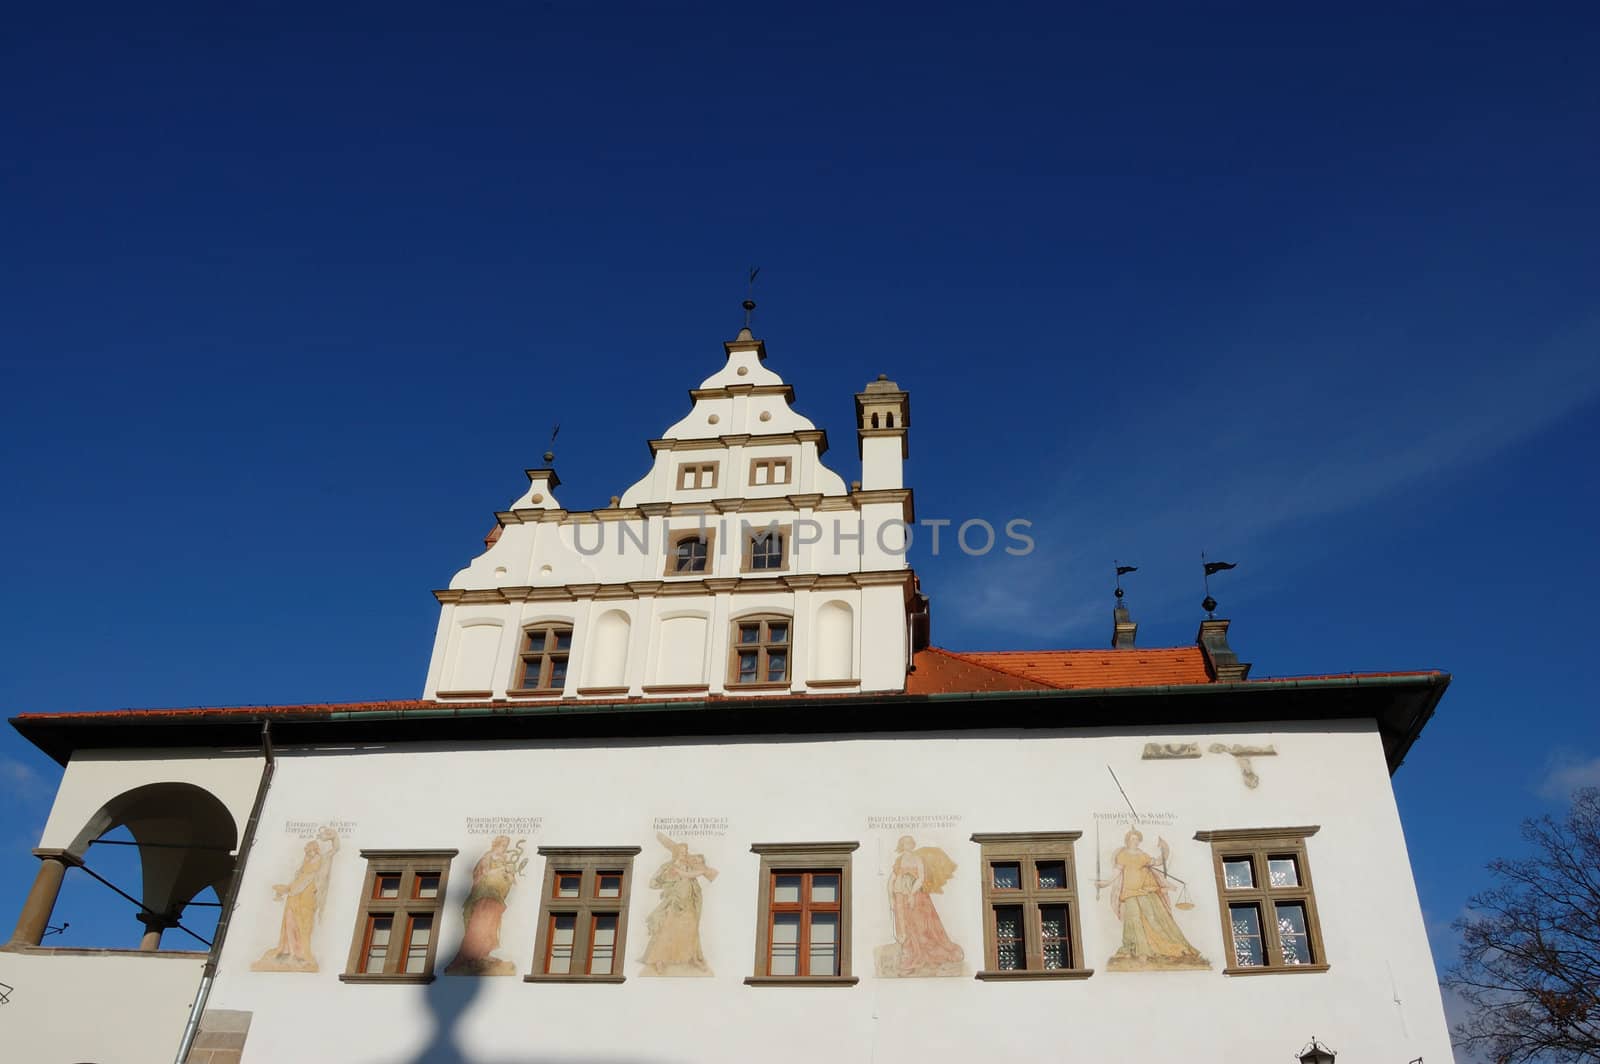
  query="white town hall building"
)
[{"x": 687, "y": 783}]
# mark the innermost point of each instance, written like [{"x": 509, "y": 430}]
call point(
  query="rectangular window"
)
[
  {"x": 693, "y": 476},
  {"x": 583, "y": 921},
  {"x": 689, "y": 552},
  {"x": 803, "y": 932},
  {"x": 764, "y": 471},
  {"x": 766, "y": 548},
  {"x": 395, "y": 940},
  {"x": 1269, "y": 915},
  {"x": 1030, "y": 907},
  {"x": 760, "y": 653},
  {"x": 543, "y": 661}
]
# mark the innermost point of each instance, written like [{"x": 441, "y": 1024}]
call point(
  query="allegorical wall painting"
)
[
  {"x": 493, "y": 877},
  {"x": 303, "y": 897},
  {"x": 674, "y": 924},
  {"x": 1139, "y": 888},
  {"x": 922, "y": 949}
]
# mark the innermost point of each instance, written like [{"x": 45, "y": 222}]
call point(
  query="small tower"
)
[{"x": 883, "y": 413}]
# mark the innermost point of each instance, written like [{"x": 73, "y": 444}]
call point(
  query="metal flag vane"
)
[
  {"x": 550, "y": 452},
  {"x": 1122, "y": 570},
  {"x": 1211, "y": 569},
  {"x": 749, "y": 295}
]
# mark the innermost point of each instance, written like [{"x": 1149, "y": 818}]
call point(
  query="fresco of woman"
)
[
  {"x": 921, "y": 946},
  {"x": 493, "y": 877},
  {"x": 303, "y": 898},
  {"x": 674, "y": 924},
  {"x": 1151, "y": 939}
]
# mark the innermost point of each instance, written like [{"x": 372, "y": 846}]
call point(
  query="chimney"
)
[
  {"x": 1223, "y": 664},
  {"x": 883, "y": 413},
  {"x": 1124, "y": 630}
]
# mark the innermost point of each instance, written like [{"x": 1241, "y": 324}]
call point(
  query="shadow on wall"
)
[{"x": 448, "y": 999}]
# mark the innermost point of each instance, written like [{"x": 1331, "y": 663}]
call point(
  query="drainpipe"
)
[{"x": 209, "y": 973}]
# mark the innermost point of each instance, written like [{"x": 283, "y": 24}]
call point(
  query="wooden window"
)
[
  {"x": 696, "y": 475},
  {"x": 761, "y": 652},
  {"x": 803, "y": 928},
  {"x": 583, "y": 918},
  {"x": 543, "y": 664},
  {"x": 1030, "y": 907},
  {"x": 689, "y": 552},
  {"x": 1269, "y": 914},
  {"x": 766, "y": 548},
  {"x": 765, "y": 471},
  {"x": 397, "y": 926}
]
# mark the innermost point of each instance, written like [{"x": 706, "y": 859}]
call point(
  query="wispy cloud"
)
[
  {"x": 19, "y": 782},
  {"x": 1340, "y": 431},
  {"x": 1566, "y": 771}
]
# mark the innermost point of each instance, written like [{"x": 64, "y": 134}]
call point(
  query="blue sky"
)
[{"x": 291, "y": 295}]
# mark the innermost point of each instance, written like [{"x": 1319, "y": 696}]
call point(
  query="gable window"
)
[
  {"x": 765, "y": 549},
  {"x": 543, "y": 659},
  {"x": 803, "y": 930},
  {"x": 689, "y": 552},
  {"x": 583, "y": 915},
  {"x": 397, "y": 927},
  {"x": 1030, "y": 907},
  {"x": 695, "y": 475},
  {"x": 760, "y": 652},
  {"x": 1269, "y": 914},
  {"x": 769, "y": 471}
]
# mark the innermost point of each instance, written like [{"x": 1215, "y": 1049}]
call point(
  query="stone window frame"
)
[
  {"x": 588, "y": 862},
  {"x": 707, "y": 534},
  {"x": 544, "y": 658},
  {"x": 773, "y": 466},
  {"x": 802, "y": 857},
  {"x": 402, "y": 910},
  {"x": 1260, "y": 844},
  {"x": 691, "y": 475},
  {"x": 1028, "y": 849},
  {"x": 763, "y": 647},
  {"x": 785, "y": 534}
]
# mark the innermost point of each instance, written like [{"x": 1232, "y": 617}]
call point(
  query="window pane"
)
[
  {"x": 386, "y": 885},
  {"x": 533, "y": 642},
  {"x": 1057, "y": 943},
  {"x": 1007, "y": 876},
  {"x": 417, "y": 946},
  {"x": 608, "y": 885},
  {"x": 786, "y": 889},
  {"x": 785, "y": 944},
  {"x": 603, "y": 953},
  {"x": 749, "y": 633},
  {"x": 778, "y": 633},
  {"x": 825, "y": 888},
  {"x": 1245, "y": 921},
  {"x": 748, "y": 661},
  {"x": 564, "y": 639},
  {"x": 1010, "y": 956},
  {"x": 562, "y": 928},
  {"x": 1052, "y": 875},
  {"x": 426, "y": 885},
  {"x": 1283, "y": 871},
  {"x": 558, "y": 672},
  {"x": 824, "y": 944},
  {"x": 777, "y": 666},
  {"x": 567, "y": 884},
  {"x": 1237, "y": 873},
  {"x": 1293, "y": 941},
  {"x": 377, "y": 943},
  {"x": 530, "y": 672}
]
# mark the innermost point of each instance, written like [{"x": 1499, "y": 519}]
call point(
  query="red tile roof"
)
[{"x": 1059, "y": 669}]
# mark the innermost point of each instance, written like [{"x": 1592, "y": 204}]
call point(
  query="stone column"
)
[
  {"x": 41, "y": 901},
  {"x": 154, "y": 924}
]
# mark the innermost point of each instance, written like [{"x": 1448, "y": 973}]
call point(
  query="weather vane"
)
[
  {"x": 749, "y": 295},
  {"x": 1211, "y": 569},
  {"x": 1122, "y": 570},
  {"x": 550, "y": 452}
]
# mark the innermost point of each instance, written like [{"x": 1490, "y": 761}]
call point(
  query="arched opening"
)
[{"x": 148, "y": 870}]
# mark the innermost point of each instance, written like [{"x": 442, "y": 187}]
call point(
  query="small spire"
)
[{"x": 1124, "y": 631}]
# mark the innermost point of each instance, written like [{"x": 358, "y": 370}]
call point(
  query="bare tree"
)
[{"x": 1530, "y": 947}]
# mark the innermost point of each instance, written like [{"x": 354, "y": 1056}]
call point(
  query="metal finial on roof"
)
[
  {"x": 1208, "y": 570},
  {"x": 749, "y": 294},
  {"x": 550, "y": 455},
  {"x": 1122, "y": 570}
]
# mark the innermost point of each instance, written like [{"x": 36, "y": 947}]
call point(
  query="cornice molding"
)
[{"x": 713, "y": 585}]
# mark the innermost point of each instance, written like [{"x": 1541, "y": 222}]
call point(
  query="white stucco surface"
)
[{"x": 95, "y": 1007}]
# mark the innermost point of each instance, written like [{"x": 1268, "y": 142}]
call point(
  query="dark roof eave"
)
[{"x": 1401, "y": 704}]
